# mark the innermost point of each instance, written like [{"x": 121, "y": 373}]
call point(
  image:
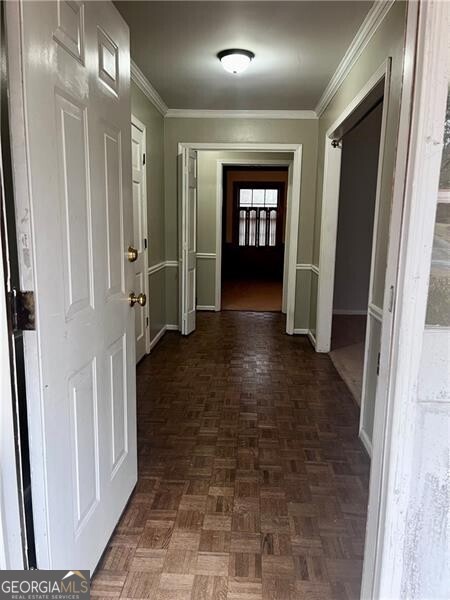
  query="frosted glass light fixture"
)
[{"x": 235, "y": 60}]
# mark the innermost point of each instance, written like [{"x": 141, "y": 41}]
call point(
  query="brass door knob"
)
[
  {"x": 140, "y": 299},
  {"x": 132, "y": 254}
]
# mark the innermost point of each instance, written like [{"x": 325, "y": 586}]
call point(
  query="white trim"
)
[
  {"x": 390, "y": 540},
  {"x": 138, "y": 77},
  {"x": 349, "y": 311},
  {"x": 11, "y": 550},
  {"x": 139, "y": 125},
  {"x": 330, "y": 205},
  {"x": 155, "y": 268},
  {"x": 172, "y": 327},
  {"x": 375, "y": 311},
  {"x": 363, "y": 36},
  {"x": 24, "y": 217},
  {"x": 444, "y": 197},
  {"x": 312, "y": 338},
  {"x": 171, "y": 263},
  {"x": 219, "y": 201},
  {"x": 308, "y": 332},
  {"x": 242, "y": 146},
  {"x": 207, "y": 255},
  {"x": 182, "y": 113},
  {"x": 366, "y": 442},
  {"x": 157, "y": 337},
  {"x": 206, "y": 307},
  {"x": 307, "y": 267}
]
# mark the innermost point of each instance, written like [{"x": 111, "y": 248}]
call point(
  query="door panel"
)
[
  {"x": 140, "y": 233},
  {"x": 189, "y": 242},
  {"x": 77, "y": 104}
]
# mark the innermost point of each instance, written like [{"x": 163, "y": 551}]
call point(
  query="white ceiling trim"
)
[
  {"x": 138, "y": 77},
  {"x": 363, "y": 36},
  {"x": 180, "y": 113}
]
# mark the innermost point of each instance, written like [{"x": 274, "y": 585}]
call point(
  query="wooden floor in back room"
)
[{"x": 252, "y": 481}]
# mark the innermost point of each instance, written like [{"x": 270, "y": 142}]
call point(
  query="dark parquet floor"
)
[{"x": 252, "y": 482}]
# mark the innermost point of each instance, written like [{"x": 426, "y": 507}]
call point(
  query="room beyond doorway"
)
[
  {"x": 253, "y": 237},
  {"x": 201, "y": 288}
]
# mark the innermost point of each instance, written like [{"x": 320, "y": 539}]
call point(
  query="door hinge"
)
[
  {"x": 146, "y": 321},
  {"x": 378, "y": 364},
  {"x": 143, "y": 159},
  {"x": 145, "y": 243},
  {"x": 22, "y": 310}
]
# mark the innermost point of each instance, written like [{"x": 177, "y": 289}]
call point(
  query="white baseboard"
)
[
  {"x": 206, "y": 307},
  {"x": 301, "y": 331},
  {"x": 366, "y": 442},
  {"x": 307, "y": 332},
  {"x": 345, "y": 311},
  {"x": 157, "y": 337},
  {"x": 171, "y": 327}
]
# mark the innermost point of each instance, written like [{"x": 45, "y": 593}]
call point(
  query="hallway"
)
[{"x": 252, "y": 482}]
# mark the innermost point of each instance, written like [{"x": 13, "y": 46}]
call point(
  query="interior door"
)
[
  {"x": 138, "y": 165},
  {"x": 76, "y": 91},
  {"x": 189, "y": 242}
]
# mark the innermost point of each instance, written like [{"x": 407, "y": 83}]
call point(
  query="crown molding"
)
[
  {"x": 181, "y": 113},
  {"x": 138, "y": 77},
  {"x": 363, "y": 36}
]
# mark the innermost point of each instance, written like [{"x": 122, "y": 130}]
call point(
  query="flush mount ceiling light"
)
[{"x": 235, "y": 60}]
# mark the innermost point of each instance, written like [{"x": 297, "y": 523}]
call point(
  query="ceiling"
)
[{"x": 297, "y": 46}]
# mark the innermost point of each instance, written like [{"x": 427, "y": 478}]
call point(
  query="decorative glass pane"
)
[
  {"x": 242, "y": 228},
  {"x": 271, "y": 197},
  {"x": 262, "y": 227},
  {"x": 252, "y": 229},
  {"x": 272, "y": 228},
  {"x": 258, "y": 198},
  {"x": 245, "y": 198}
]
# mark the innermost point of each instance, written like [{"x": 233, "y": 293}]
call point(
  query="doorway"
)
[
  {"x": 253, "y": 237},
  {"x": 201, "y": 266},
  {"x": 356, "y": 212}
]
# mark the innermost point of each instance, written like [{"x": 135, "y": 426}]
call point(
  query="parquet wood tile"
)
[{"x": 252, "y": 481}]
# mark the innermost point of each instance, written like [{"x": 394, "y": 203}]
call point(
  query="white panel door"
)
[
  {"x": 76, "y": 65},
  {"x": 189, "y": 242},
  {"x": 138, "y": 166}
]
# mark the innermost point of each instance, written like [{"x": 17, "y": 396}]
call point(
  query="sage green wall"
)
[
  {"x": 144, "y": 110},
  {"x": 287, "y": 131},
  {"x": 388, "y": 41}
]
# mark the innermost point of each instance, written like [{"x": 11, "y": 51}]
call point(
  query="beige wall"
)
[
  {"x": 144, "y": 110},
  {"x": 245, "y": 131}
]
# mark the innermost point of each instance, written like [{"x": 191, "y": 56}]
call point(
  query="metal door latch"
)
[{"x": 22, "y": 310}]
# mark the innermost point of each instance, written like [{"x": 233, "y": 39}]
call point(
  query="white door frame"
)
[
  {"x": 296, "y": 150},
  {"x": 219, "y": 220},
  {"x": 330, "y": 206},
  {"x": 137, "y": 123},
  {"x": 11, "y": 542},
  {"x": 419, "y": 149}
]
